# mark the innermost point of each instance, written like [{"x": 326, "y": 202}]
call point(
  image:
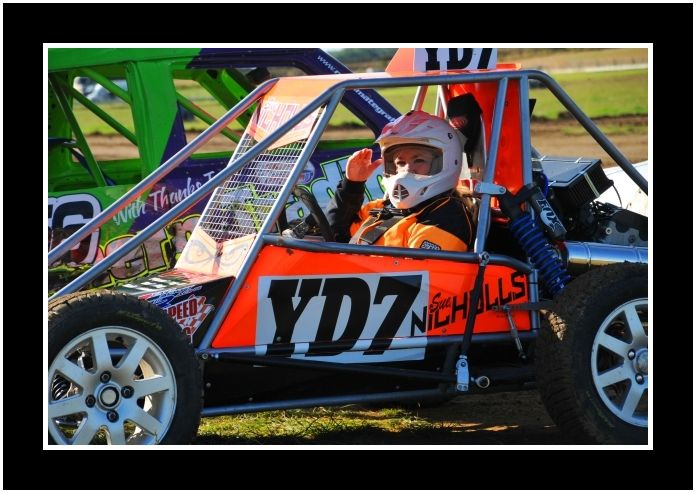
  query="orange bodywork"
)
[{"x": 439, "y": 308}]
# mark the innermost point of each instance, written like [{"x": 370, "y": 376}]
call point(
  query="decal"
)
[
  {"x": 206, "y": 255},
  {"x": 130, "y": 212},
  {"x": 157, "y": 254},
  {"x": 163, "y": 198},
  {"x": 429, "y": 245},
  {"x": 272, "y": 114},
  {"x": 289, "y": 294},
  {"x": 307, "y": 174},
  {"x": 164, "y": 298},
  {"x": 446, "y": 310},
  {"x": 190, "y": 313},
  {"x": 549, "y": 217},
  {"x": 342, "y": 308},
  {"x": 454, "y": 59},
  {"x": 66, "y": 215},
  {"x": 377, "y": 109}
]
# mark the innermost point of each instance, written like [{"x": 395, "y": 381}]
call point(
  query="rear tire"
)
[
  {"x": 120, "y": 372},
  {"x": 592, "y": 357}
]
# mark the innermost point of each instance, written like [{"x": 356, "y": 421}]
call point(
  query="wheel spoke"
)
[
  {"x": 73, "y": 372},
  {"x": 614, "y": 345},
  {"x": 132, "y": 359},
  {"x": 635, "y": 326},
  {"x": 65, "y": 407},
  {"x": 151, "y": 386},
  {"x": 86, "y": 431},
  {"x": 116, "y": 434},
  {"x": 615, "y": 375},
  {"x": 146, "y": 421},
  {"x": 100, "y": 349},
  {"x": 632, "y": 399}
]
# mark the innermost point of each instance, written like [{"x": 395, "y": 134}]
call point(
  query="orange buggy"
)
[{"x": 259, "y": 316}]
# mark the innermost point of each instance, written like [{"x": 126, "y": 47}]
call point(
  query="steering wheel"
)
[{"x": 316, "y": 216}]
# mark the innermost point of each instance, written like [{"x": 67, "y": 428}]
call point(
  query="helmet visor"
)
[{"x": 412, "y": 158}]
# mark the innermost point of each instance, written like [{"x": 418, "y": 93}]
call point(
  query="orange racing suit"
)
[{"x": 439, "y": 223}]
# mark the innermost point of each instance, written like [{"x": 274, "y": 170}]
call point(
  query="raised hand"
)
[{"x": 360, "y": 165}]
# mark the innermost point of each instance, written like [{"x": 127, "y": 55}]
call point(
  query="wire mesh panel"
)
[{"x": 239, "y": 207}]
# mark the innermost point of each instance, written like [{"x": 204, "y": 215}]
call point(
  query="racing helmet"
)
[{"x": 424, "y": 136}]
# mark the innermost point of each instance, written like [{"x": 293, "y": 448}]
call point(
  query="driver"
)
[{"x": 423, "y": 207}]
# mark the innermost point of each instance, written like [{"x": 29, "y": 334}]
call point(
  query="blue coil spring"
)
[{"x": 535, "y": 245}]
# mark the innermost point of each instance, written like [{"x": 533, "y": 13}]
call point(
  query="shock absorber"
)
[
  {"x": 532, "y": 239},
  {"x": 59, "y": 387}
]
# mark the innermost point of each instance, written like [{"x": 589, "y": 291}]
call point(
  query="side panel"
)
[
  {"x": 68, "y": 211},
  {"x": 299, "y": 297},
  {"x": 189, "y": 298}
]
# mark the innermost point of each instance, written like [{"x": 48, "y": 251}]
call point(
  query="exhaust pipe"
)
[
  {"x": 581, "y": 256},
  {"x": 482, "y": 382}
]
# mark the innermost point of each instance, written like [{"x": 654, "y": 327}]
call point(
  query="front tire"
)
[
  {"x": 592, "y": 357},
  {"x": 120, "y": 372}
]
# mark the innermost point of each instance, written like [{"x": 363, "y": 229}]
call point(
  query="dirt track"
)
[
  {"x": 550, "y": 138},
  {"x": 500, "y": 418}
]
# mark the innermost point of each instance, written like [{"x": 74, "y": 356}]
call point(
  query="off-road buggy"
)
[{"x": 262, "y": 315}]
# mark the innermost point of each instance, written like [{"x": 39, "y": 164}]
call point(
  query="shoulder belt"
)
[
  {"x": 391, "y": 217},
  {"x": 375, "y": 233}
]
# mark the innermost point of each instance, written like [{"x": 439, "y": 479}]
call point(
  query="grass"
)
[
  {"x": 574, "y": 58},
  {"x": 599, "y": 94},
  {"x": 486, "y": 419},
  {"x": 544, "y": 58},
  {"x": 345, "y": 425}
]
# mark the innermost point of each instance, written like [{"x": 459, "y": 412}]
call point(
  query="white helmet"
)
[{"x": 421, "y": 129}]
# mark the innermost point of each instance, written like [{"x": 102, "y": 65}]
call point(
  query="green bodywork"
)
[{"x": 151, "y": 97}]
